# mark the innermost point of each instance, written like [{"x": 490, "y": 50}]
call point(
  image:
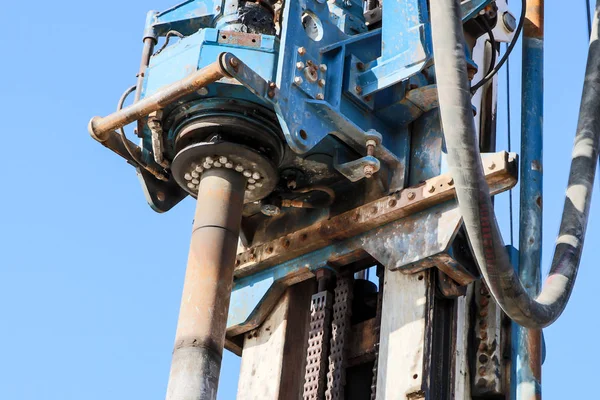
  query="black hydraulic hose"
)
[{"x": 473, "y": 192}]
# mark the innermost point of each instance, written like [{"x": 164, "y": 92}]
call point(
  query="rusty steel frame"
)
[
  {"x": 500, "y": 173},
  {"x": 204, "y": 308}
]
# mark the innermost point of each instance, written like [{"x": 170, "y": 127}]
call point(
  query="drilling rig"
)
[{"x": 342, "y": 154}]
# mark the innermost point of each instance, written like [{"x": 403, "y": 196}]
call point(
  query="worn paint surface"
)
[
  {"x": 402, "y": 343},
  {"x": 529, "y": 342}
]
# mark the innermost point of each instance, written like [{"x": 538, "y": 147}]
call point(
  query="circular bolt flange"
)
[{"x": 191, "y": 161}]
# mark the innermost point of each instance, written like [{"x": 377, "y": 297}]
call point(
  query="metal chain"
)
[
  {"x": 316, "y": 356},
  {"x": 342, "y": 311}
]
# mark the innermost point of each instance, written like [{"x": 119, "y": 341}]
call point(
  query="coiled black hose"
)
[{"x": 473, "y": 192}]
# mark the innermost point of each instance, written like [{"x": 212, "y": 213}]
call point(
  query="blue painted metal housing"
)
[{"x": 332, "y": 78}]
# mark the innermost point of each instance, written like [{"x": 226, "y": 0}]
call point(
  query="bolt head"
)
[
  {"x": 300, "y": 65},
  {"x": 431, "y": 188},
  {"x": 223, "y": 160},
  {"x": 187, "y": 177},
  {"x": 358, "y": 89},
  {"x": 217, "y": 164},
  {"x": 234, "y": 62},
  {"x": 323, "y": 68},
  {"x": 322, "y": 82},
  {"x": 195, "y": 174},
  {"x": 256, "y": 176},
  {"x": 369, "y": 170},
  {"x": 229, "y": 165},
  {"x": 492, "y": 166},
  {"x": 411, "y": 195},
  {"x": 298, "y": 80},
  {"x": 239, "y": 168},
  {"x": 301, "y": 51},
  {"x": 247, "y": 173},
  {"x": 320, "y": 96}
]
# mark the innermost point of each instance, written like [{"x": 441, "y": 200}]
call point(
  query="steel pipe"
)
[
  {"x": 149, "y": 43},
  {"x": 202, "y": 321},
  {"x": 529, "y": 341},
  {"x": 101, "y": 127},
  {"x": 472, "y": 190}
]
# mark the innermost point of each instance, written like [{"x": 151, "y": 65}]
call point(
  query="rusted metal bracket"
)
[{"x": 500, "y": 169}]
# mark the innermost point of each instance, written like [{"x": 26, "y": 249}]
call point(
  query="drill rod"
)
[{"x": 207, "y": 289}]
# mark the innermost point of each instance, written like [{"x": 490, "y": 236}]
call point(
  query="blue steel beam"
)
[{"x": 529, "y": 341}]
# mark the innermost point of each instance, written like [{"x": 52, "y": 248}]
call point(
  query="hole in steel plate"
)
[{"x": 312, "y": 26}]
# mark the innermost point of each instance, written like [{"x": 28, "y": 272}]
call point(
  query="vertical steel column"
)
[
  {"x": 205, "y": 301},
  {"x": 529, "y": 341}
]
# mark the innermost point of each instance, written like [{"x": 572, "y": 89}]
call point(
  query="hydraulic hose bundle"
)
[{"x": 473, "y": 192}]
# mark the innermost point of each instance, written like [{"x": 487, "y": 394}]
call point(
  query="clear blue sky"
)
[{"x": 91, "y": 278}]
